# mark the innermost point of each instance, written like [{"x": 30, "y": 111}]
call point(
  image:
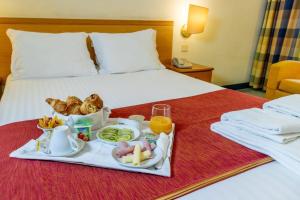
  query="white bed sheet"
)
[{"x": 24, "y": 99}]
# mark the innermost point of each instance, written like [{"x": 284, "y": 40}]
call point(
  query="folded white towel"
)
[
  {"x": 286, "y": 154},
  {"x": 285, "y": 138},
  {"x": 263, "y": 121},
  {"x": 289, "y": 105}
]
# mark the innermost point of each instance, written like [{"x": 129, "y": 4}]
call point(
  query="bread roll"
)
[
  {"x": 73, "y": 100},
  {"x": 87, "y": 108},
  {"x": 95, "y": 100},
  {"x": 73, "y": 109},
  {"x": 74, "y": 106},
  {"x": 58, "y": 105}
]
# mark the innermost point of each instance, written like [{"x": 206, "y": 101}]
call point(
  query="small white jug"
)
[{"x": 61, "y": 141}]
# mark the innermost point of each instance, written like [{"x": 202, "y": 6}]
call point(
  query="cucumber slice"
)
[
  {"x": 116, "y": 135},
  {"x": 124, "y": 138}
]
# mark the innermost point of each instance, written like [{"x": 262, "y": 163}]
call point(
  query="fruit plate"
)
[
  {"x": 135, "y": 133},
  {"x": 157, "y": 155}
]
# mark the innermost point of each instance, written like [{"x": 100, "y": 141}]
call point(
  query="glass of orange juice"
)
[{"x": 161, "y": 119}]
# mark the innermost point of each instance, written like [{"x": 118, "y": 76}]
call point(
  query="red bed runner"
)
[{"x": 200, "y": 157}]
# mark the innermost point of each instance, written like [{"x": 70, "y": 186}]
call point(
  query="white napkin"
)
[
  {"x": 263, "y": 121},
  {"x": 163, "y": 143}
]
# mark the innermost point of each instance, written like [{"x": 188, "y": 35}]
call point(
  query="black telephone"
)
[{"x": 181, "y": 63}]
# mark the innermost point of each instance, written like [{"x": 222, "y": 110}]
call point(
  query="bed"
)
[{"x": 24, "y": 100}]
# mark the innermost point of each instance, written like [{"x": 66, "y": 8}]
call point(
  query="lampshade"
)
[{"x": 197, "y": 19}]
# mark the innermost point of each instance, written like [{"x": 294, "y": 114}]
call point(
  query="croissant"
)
[
  {"x": 73, "y": 109},
  {"x": 73, "y": 100},
  {"x": 58, "y": 105},
  {"x": 87, "y": 108},
  {"x": 95, "y": 100}
]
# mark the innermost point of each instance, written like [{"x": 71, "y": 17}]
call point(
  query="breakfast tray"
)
[{"x": 98, "y": 154}]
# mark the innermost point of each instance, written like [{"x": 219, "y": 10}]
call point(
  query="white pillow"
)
[
  {"x": 126, "y": 52},
  {"x": 42, "y": 55}
]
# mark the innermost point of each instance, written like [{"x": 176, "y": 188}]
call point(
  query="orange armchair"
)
[{"x": 284, "y": 79}]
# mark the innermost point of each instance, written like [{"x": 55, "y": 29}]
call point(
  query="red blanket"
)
[{"x": 200, "y": 157}]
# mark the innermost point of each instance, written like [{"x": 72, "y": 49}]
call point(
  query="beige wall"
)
[{"x": 227, "y": 44}]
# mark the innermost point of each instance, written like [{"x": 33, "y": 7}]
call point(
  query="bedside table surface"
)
[
  {"x": 1, "y": 87},
  {"x": 195, "y": 68}
]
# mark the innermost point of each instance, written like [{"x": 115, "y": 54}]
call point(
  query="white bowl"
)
[
  {"x": 45, "y": 130},
  {"x": 136, "y": 133}
]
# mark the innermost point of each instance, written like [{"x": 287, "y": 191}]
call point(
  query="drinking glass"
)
[{"x": 161, "y": 119}]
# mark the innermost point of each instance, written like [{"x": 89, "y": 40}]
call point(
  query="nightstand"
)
[
  {"x": 197, "y": 71},
  {"x": 1, "y": 86}
]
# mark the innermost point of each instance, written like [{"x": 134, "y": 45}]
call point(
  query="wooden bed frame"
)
[{"x": 164, "y": 33}]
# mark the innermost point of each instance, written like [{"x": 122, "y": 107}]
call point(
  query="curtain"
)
[{"x": 279, "y": 39}]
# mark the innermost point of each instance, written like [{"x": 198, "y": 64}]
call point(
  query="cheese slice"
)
[
  {"x": 136, "y": 160},
  {"x": 129, "y": 158}
]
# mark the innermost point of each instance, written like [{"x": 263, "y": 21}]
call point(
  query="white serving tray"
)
[{"x": 98, "y": 154}]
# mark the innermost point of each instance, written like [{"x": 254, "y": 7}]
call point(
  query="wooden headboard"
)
[{"x": 164, "y": 33}]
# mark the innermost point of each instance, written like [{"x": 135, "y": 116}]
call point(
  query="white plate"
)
[
  {"x": 136, "y": 133},
  {"x": 73, "y": 152},
  {"x": 156, "y": 157}
]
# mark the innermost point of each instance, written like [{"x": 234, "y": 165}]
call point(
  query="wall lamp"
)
[{"x": 196, "y": 22}]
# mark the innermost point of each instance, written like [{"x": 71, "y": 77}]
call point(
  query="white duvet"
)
[{"x": 25, "y": 99}]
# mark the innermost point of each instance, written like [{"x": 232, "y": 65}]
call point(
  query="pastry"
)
[
  {"x": 58, "y": 105},
  {"x": 73, "y": 109},
  {"x": 95, "y": 100},
  {"x": 73, "y": 100},
  {"x": 87, "y": 108},
  {"x": 74, "y": 106}
]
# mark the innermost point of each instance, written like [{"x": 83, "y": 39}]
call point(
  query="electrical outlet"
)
[{"x": 184, "y": 48}]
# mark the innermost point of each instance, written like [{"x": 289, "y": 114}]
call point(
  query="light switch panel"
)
[{"x": 184, "y": 48}]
